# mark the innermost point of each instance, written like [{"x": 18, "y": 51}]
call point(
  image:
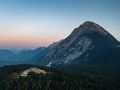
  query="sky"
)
[{"x": 37, "y": 23}]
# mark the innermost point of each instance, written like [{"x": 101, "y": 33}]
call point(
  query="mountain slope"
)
[{"x": 85, "y": 44}]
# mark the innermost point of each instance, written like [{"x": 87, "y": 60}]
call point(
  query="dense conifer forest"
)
[{"x": 58, "y": 79}]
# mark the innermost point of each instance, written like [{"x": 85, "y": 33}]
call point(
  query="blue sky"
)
[{"x": 34, "y": 23}]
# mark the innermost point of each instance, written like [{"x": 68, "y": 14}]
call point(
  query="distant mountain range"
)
[
  {"x": 8, "y": 57},
  {"x": 88, "y": 44}
]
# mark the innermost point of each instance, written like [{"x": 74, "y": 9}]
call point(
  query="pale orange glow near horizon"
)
[
  {"x": 27, "y": 41},
  {"x": 30, "y": 35}
]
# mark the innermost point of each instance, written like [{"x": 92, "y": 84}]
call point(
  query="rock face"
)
[{"x": 85, "y": 44}]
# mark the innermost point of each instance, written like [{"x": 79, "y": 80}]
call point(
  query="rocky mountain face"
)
[{"x": 87, "y": 44}]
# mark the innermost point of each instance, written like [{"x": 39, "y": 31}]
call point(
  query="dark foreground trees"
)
[{"x": 56, "y": 80}]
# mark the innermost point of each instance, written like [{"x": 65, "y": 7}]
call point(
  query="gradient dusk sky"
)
[{"x": 34, "y": 23}]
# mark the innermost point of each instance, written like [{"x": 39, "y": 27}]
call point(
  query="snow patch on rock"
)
[{"x": 49, "y": 64}]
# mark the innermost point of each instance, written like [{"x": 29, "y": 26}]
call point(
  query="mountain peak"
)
[
  {"x": 89, "y": 23},
  {"x": 88, "y": 27}
]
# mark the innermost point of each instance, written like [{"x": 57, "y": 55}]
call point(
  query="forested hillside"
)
[{"x": 58, "y": 79}]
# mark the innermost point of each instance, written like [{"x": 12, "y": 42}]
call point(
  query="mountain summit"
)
[{"x": 89, "y": 43}]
